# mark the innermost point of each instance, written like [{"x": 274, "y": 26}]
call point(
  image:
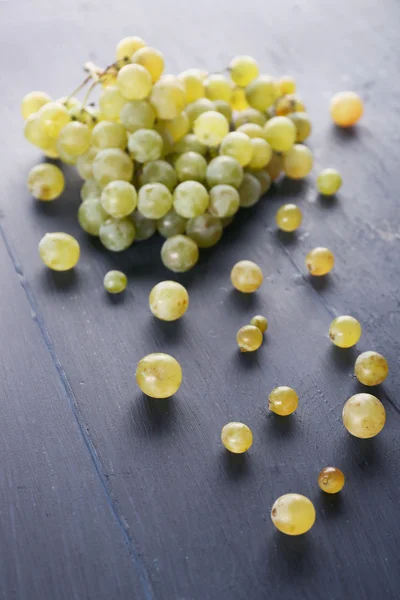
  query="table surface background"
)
[{"x": 107, "y": 495}]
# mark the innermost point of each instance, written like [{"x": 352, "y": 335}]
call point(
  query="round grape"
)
[
  {"x": 90, "y": 189},
  {"x": 371, "y": 368},
  {"x": 238, "y": 146},
  {"x": 250, "y": 116},
  {"x": 224, "y": 170},
  {"x": 238, "y": 100},
  {"x": 293, "y": 514},
  {"x": 158, "y": 171},
  {"x": 286, "y": 85},
  {"x": 115, "y": 282},
  {"x": 35, "y": 133},
  {"x": 319, "y": 261},
  {"x": 193, "y": 84},
  {"x": 46, "y": 182},
  {"x": 236, "y": 437},
  {"x": 345, "y": 331},
  {"x": 155, "y": 200},
  {"x": 108, "y": 134},
  {"x": 210, "y": 128},
  {"x": 144, "y": 228},
  {"x": 263, "y": 178},
  {"x": 159, "y": 375},
  {"x": 289, "y": 217},
  {"x": 111, "y": 103},
  {"x": 302, "y": 122},
  {"x": 283, "y": 401},
  {"x": 168, "y": 300},
  {"x": 217, "y": 87},
  {"x": 84, "y": 163},
  {"x": 289, "y": 104},
  {"x": 280, "y": 133},
  {"x": 275, "y": 166},
  {"x": 59, "y": 251},
  {"x": 197, "y": 108},
  {"x": 224, "y": 201},
  {"x": 206, "y": 230},
  {"x": 298, "y": 162},
  {"x": 134, "y": 82},
  {"x": 117, "y": 234},
  {"x": 168, "y": 97},
  {"x": 171, "y": 224},
  {"x": 190, "y": 143},
  {"x": 249, "y": 338},
  {"x": 127, "y": 46},
  {"x": 191, "y": 166},
  {"x": 364, "y": 416},
  {"x": 32, "y": 102},
  {"x": 179, "y": 253},
  {"x": 137, "y": 114},
  {"x": 119, "y": 199},
  {"x": 224, "y": 108},
  {"x": 261, "y": 153},
  {"x": 260, "y": 322},
  {"x": 53, "y": 116},
  {"x": 112, "y": 164},
  {"x": 91, "y": 216},
  {"x": 329, "y": 181},
  {"x": 346, "y": 109},
  {"x": 151, "y": 59},
  {"x": 74, "y": 138},
  {"x": 246, "y": 276},
  {"x": 190, "y": 199},
  {"x": 243, "y": 70},
  {"x": 261, "y": 93},
  {"x": 331, "y": 480}
]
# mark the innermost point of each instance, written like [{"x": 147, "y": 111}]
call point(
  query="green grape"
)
[
  {"x": 217, "y": 87},
  {"x": 179, "y": 253},
  {"x": 331, "y": 480},
  {"x": 224, "y": 201},
  {"x": 210, "y": 128},
  {"x": 171, "y": 224},
  {"x": 275, "y": 166},
  {"x": 159, "y": 375},
  {"x": 35, "y": 133},
  {"x": 112, "y": 164},
  {"x": 249, "y": 191},
  {"x": 158, "y": 171},
  {"x": 168, "y": 97},
  {"x": 224, "y": 108},
  {"x": 193, "y": 85},
  {"x": 293, "y": 514},
  {"x": 298, "y": 162},
  {"x": 364, "y": 416},
  {"x": 84, "y": 163},
  {"x": 190, "y": 143},
  {"x": 250, "y": 116},
  {"x": 59, "y": 251},
  {"x": 119, "y": 199},
  {"x": 90, "y": 189},
  {"x": 134, "y": 82},
  {"x": 74, "y": 139},
  {"x": 155, "y": 200},
  {"x": 53, "y": 116},
  {"x": 108, "y": 134},
  {"x": 246, "y": 276},
  {"x": 263, "y": 177},
  {"x": 249, "y": 338},
  {"x": 286, "y": 85},
  {"x": 261, "y": 93},
  {"x": 236, "y": 437},
  {"x": 319, "y": 261},
  {"x": 144, "y": 228},
  {"x": 145, "y": 145},
  {"x": 91, "y": 216},
  {"x": 127, "y": 46},
  {"x": 238, "y": 100},
  {"x": 46, "y": 182},
  {"x": 191, "y": 166},
  {"x": 176, "y": 128},
  {"x": 224, "y": 170},
  {"x": 243, "y": 70},
  {"x": 111, "y": 103},
  {"x": 168, "y": 300},
  {"x": 32, "y": 102},
  {"x": 252, "y": 131},
  {"x": 115, "y": 282},
  {"x": 260, "y": 322},
  {"x": 329, "y": 181},
  {"x": 190, "y": 199},
  {"x": 289, "y": 217},
  {"x": 302, "y": 122},
  {"x": 262, "y": 153},
  {"x": 280, "y": 133},
  {"x": 238, "y": 146},
  {"x": 197, "y": 108},
  {"x": 283, "y": 401},
  {"x": 117, "y": 234},
  {"x": 371, "y": 368},
  {"x": 345, "y": 331},
  {"x": 151, "y": 59},
  {"x": 205, "y": 230}
]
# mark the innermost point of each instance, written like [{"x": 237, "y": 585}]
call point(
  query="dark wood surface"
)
[{"x": 107, "y": 495}]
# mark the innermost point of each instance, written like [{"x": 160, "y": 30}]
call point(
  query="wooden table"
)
[{"x": 107, "y": 495}]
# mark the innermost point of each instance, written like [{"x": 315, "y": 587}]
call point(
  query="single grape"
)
[
  {"x": 224, "y": 170},
  {"x": 249, "y": 191},
  {"x": 190, "y": 143},
  {"x": 236, "y": 437},
  {"x": 298, "y": 162},
  {"x": 246, "y": 276},
  {"x": 286, "y": 85},
  {"x": 177, "y": 128},
  {"x": 237, "y": 145},
  {"x": 159, "y": 375},
  {"x": 119, "y": 199},
  {"x": 74, "y": 139},
  {"x": 168, "y": 300},
  {"x": 331, "y": 480},
  {"x": 127, "y": 46},
  {"x": 261, "y": 93},
  {"x": 35, "y": 133},
  {"x": 91, "y": 216},
  {"x": 145, "y": 145},
  {"x": 53, "y": 116},
  {"x": 238, "y": 100},
  {"x": 190, "y": 199},
  {"x": 111, "y": 103},
  {"x": 134, "y": 82},
  {"x": 179, "y": 253},
  {"x": 108, "y": 134},
  {"x": 249, "y": 338},
  {"x": 193, "y": 85},
  {"x": 90, "y": 189},
  {"x": 59, "y": 251},
  {"x": 32, "y": 102},
  {"x": 260, "y": 322},
  {"x": 158, "y": 171},
  {"x": 302, "y": 122},
  {"x": 197, "y": 108},
  {"x": 289, "y": 217},
  {"x": 112, "y": 164},
  {"x": 46, "y": 182},
  {"x": 249, "y": 116},
  {"x": 224, "y": 201},
  {"x": 144, "y": 228},
  {"x": 168, "y": 97},
  {"x": 283, "y": 401},
  {"x": 293, "y": 514},
  {"x": 205, "y": 230},
  {"x": 329, "y": 181},
  {"x": 224, "y": 108},
  {"x": 115, "y": 282},
  {"x": 66, "y": 158},
  {"x": 261, "y": 155},
  {"x": 217, "y": 87},
  {"x": 280, "y": 133},
  {"x": 210, "y": 128},
  {"x": 84, "y": 163},
  {"x": 262, "y": 177},
  {"x": 154, "y": 201},
  {"x": 364, "y": 416},
  {"x": 345, "y": 331},
  {"x": 151, "y": 59},
  {"x": 191, "y": 166},
  {"x": 243, "y": 70},
  {"x": 171, "y": 224},
  {"x": 371, "y": 368},
  {"x": 289, "y": 104},
  {"x": 346, "y": 109},
  {"x": 319, "y": 261},
  {"x": 275, "y": 166},
  {"x": 117, "y": 234}
]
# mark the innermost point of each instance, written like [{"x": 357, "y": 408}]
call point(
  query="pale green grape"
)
[
  {"x": 210, "y": 128},
  {"x": 224, "y": 201},
  {"x": 53, "y": 116},
  {"x": 191, "y": 166},
  {"x": 171, "y": 224},
  {"x": 190, "y": 143},
  {"x": 32, "y": 102},
  {"x": 90, "y": 189},
  {"x": 298, "y": 162},
  {"x": 289, "y": 217},
  {"x": 168, "y": 300},
  {"x": 217, "y": 87},
  {"x": 197, "y": 108},
  {"x": 329, "y": 181},
  {"x": 280, "y": 133},
  {"x": 151, "y": 59},
  {"x": 205, "y": 230},
  {"x": 145, "y": 145},
  {"x": 112, "y": 164},
  {"x": 138, "y": 114},
  {"x": 263, "y": 177},
  {"x": 59, "y": 251},
  {"x": 238, "y": 146},
  {"x": 35, "y": 133},
  {"x": 262, "y": 153},
  {"x": 168, "y": 97},
  {"x": 144, "y": 227},
  {"x": 84, "y": 163},
  {"x": 127, "y": 46},
  {"x": 65, "y": 157},
  {"x": 119, "y": 199},
  {"x": 302, "y": 122},
  {"x": 91, "y": 216},
  {"x": 111, "y": 103},
  {"x": 275, "y": 166},
  {"x": 134, "y": 82},
  {"x": 193, "y": 84},
  {"x": 252, "y": 130},
  {"x": 190, "y": 199},
  {"x": 154, "y": 201},
  {"x": 176, "y": 128},
  {"x": 46, "y": 182},
  {"x": 179, "y": 253},
  {"x": 250, "y": 115},
  {"x": 260, "y": 322},
  {"x": 115, "y": 282},
  {"x": 261, "y": 93},
  {"x": 286, "y": 85},
  {"x": 224, "y": 108},
  {"x": 249, "y": 191},
  {"x": 243, "y": 70},
  {"x": 74, "y": 139},
  {"x": 158, "y": 171},
  {"x": 108, "y": 134},
  {"x": 224, "y": 170},
  {"x": 117, "y": 234}
]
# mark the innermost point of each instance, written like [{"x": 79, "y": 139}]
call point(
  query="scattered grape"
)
[
  {"x": 159, "y": 375},
  {"x": 59, "y": 251},
  {"x": 246, "y": 276},
  {"x": 117, "y": 234},
  {"x": 190, "y": 199},
  {"x": 345, "y": 331},
  {"x": 210, "y": 128},
  {"x": 260, "y": 322},
  {"x": 206, "y": 230},
  {"x": 319, "y": 261},
  {"x": 283, "y": 401},
  {"x": 46, "y": 182},
  {"x": 115, "y": 282},
  {"x": 293, "y": 514},
  {"x": 289, "y": 217},
  {"x": 331, "y": 480},
  {"x": 168, "y": 300},
  {"x": 179, "y": 253},
  {"x": 364, "y": 415},
  {"x": 346, "y": 109},
  {"x": 236, "y": 437},
  {"x": 249, "y": 338},
  {"x": 329, "y": 181},
  {"x": 371, "y": 368}
]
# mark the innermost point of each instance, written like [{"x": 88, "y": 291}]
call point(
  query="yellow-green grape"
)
[
  {"x": 190, "y": 143},
  {"x": 286, "y": 85},
  {"x": 191, "y": 166},
  {"x": 246, "y": 276},
  {"x": 217, "y": 87},
  {"x": 249, "y": 338},
  {"x": 302, "y": 122},
  {"x": 275, "y": 166},
  {"x": 151, "y": 59},
  {"x": 53, "y": 116},
  {"x": 237, "y": 145},
  {"x": 293, "y": 514},
  {"x": 224, "y": 170},
  {"x": 252, "y": 130},
  {"x": 46, "y": 182},
  {"x": 238, "y": 100},
  {"x": 371, "y": 368},
  {"x": 298, "y": 162},
  {"x": 91, "y": 216},
  {"x": 364, "y": 416},
  {"x": 280, "y": 133},
  {"x": 108, "y": 134},
  {"x": 236, "y": 437},
  {"x": 158, "y": 171},
  {"x": 137, "y": 114},
  {"x": 331, "y": 480},
  {"x": 283, "y": 401},
  {"x": 261, "y": 153},
  {"x": 32, "y": 102},
  {"x": 154, "y": 200},
  {"x": 74, "y": 139},
  {"x": 210, "y": 128},
  {"x": 35, "y": 133},
  {"x": 168, "y": 300},
  {"x": 263, "y": 178},
  {"x": 197, "y": 108},
  {"x": 329, "y": 181},
  {"x": 243, "y": 70},
  {"x": 117, "y": 234},
  {"x": 319, "y": 261},
  {"x": 90, "y": 189},
  {"x": 119, "y": 199},
  {"x": 145, "y": 145},
  {"x": 179, "y": 253},
  {"x": 84, "y": 163},
  {"x": 177, "y": 128},
  {"x": 127, "y": 46},
  {"x": 261, "y": 93},
  {"x": 171, "y": 224},
  {"x": 250, "y": 116},
  {"x": 289, "y": 217},
  {"x": 346, "y": 108},
  {"x": 249, "y": 191},
  {"x": 289, "y": 104},
  {"x": 224, "y": 108},
  {"x": 144, "y": 228},
  {"x": 190, "y": 199},
  {"x": 112, "y": 164},
  {"x": 168, "y": 97},
  {"x": 205, "y": 230},
  {"x": 193, "y": 85},
  {"x": 159, "y": 375},
  {"x": 111, "y": 102},
  {"x": 224, "y": 201},
  {"x": 115, "y": 282},
  {"x": 59, "y": 251},
  {"x": 260, "y": 322},
  {"x": 134, "y": 82},
  {"x": 345, "y": 331}
]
